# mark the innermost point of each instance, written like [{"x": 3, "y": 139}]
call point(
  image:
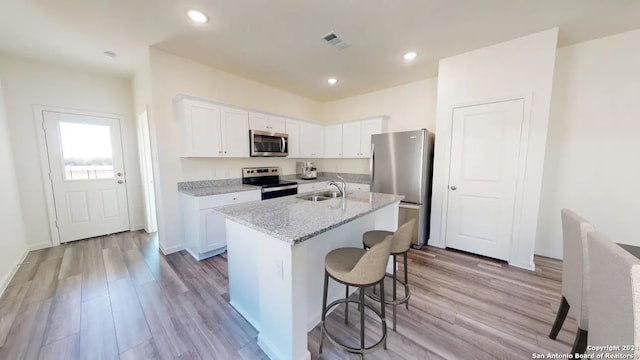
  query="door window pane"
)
[{"x": 86, "y": 151}]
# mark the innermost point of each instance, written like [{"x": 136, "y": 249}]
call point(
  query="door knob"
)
[
  {"x": 453, "y": 187},
  {"x": 120, "y": 182},
  {"x": 119, "y": 174}
]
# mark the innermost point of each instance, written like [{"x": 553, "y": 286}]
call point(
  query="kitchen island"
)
[{"x": 276, "y": 250}]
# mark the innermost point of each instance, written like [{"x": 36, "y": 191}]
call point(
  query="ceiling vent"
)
[{"x": 335, "y": 41}]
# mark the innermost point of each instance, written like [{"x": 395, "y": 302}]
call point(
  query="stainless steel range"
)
[{"x": 269, "y": 179}]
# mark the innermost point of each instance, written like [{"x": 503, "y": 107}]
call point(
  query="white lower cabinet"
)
[
  {"x": 358, "y": 187},
  {"x": 309, "y": 187},
  {"x": 203, "y": 230}
]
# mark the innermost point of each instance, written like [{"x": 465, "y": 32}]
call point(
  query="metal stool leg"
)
[
  {"x": 362, "y": 321},
  {"x": 406, "y": 277},
  {"x": 382, "y": 309},
  {"x": 346, "y": 307},
  {"x": 324, "y": 307},
  {"x": 394, "y": 292}
]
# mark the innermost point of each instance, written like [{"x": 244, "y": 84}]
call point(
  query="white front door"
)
[
  {"x": 485, "y": 145},
  {"x": 87, "y": 175}
]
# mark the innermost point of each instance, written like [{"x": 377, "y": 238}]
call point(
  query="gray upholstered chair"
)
[
  {"x": 361, "y": 268},
  {"x": 614, "y": 313},
  {"x": 400, "y": 246},
  {"x": 575, "y": 277}
]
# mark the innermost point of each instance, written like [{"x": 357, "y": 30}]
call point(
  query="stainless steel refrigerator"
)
[{"x": 402, "y": 163}]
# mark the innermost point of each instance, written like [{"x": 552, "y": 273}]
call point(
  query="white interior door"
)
[
  {"x": 146, "y": 171},
  {"x": 87, "y": 175},
  {"x": 485, "y": 145}
]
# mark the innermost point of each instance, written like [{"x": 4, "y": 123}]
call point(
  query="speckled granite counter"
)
[
  {"x": 294, "y": 220},
  {"x": 214, "y": 187},
  {"x": 326, "y": 176}
]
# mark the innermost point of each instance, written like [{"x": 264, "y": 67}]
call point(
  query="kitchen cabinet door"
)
[
  {"x": 368, "y": 128},
  {"x": 265, "y": 122},
  {"x": 235, "y": 132},
  {"x": 333, "y": 143},
  {"x": 309, "y": 187},
  {"x": 199, "y": 129},
  {"x": 293, "y": 130},
  {"x": 203, "y": 230},
  {"x": 311, "y": 140},
  {"x": 213, "y": 233},
  {"x": 276, "y": 124},
  {"x": 351, "y": 139},
  {"x": 357, "y": 187},
  {"x": 258, "y": 121}
]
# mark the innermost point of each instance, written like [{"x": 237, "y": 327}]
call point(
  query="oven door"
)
[
  {"x": 265, "y": 143},
  {"x": 279, "y": 191}
]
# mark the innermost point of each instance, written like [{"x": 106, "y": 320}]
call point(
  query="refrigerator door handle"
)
[{"x": 371, "y": 167}]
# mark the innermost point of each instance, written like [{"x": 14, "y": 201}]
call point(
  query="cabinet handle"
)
[
  {"x": 225, "y": 152},
  {"x": 234, "y": 198},
  {"x": 220, "y": 152}
]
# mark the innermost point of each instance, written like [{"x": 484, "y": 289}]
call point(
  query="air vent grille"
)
[{"x": 334, "y": 40}]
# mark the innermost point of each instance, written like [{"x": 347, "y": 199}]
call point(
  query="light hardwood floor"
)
[{"x": 117, "y": 297}]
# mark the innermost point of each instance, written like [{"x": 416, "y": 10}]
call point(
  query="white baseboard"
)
[
  {"x": 171, "y": 250},
  {"x": 4, "y": 283},
  {"x": 40, "y": 245},
  {"x": 136, "y": 227}
]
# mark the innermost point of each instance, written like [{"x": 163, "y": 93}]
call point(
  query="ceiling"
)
[{"x": 278, "y": 42}]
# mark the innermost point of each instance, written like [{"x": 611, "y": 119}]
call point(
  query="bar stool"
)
[
  {"x": 399, "y": 246},
  {"x": 361, "y": 268}
]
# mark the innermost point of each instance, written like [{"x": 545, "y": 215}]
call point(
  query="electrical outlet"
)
[{"x": 280, "y": 269}]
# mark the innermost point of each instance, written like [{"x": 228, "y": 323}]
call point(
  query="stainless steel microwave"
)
[{"x": 264, "y": 143}]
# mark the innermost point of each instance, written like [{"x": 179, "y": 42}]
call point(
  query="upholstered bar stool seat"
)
[
  {"x": 399, "y": 246},
  {"x": 360, "y": 268}
]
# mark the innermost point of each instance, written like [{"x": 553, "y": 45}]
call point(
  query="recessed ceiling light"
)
[
  {"x": 332, "y": 81},
  {"x": 110, "y": 54},
  {"x": 409, "y": 56},
  {"x": 197, "y": 16}
]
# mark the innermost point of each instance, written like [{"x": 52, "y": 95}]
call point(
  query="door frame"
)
[
  {"x": 38, "y": 119},
  {"x": 447, "y": 133}
]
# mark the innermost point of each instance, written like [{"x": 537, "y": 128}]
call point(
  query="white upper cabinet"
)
[
  {"x": 235, "y": 132},
  {"x": 292, "y": 128},
  {"x": 351, "y": 139},
  {"x": 265, "y": 122},
  {"x": 211, "y": 130},
  {"x": 199, "y": 129},
  {"x": 356, "y": 136},
  {"x": 311, "y": 140},
  {"x": 333, "y": 143}
]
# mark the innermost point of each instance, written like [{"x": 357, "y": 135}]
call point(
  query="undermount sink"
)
[
  {"x": 314, "y": 198},
  {"x": 330, "y": 194},
  {"x": 321, "y": 196}
]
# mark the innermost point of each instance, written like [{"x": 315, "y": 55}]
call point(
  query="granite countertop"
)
[
  {"x": 217, "y": 187},
  {"x": 350, "y": 178},
  {"x": 214, "y": 187},
  {"x": 295, "y": 220}
]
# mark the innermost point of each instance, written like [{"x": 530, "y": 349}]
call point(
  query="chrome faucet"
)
[{"x": 341, "y": 187}]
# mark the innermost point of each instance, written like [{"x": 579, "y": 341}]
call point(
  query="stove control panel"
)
[{"x": 260, "y": 171}]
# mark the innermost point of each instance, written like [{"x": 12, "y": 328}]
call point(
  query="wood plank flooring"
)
[{"x": 117, "y": 297}]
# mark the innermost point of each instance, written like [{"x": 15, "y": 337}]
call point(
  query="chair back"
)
[
  {"x": 402, "y": 237},
  {"x": 613, "y": 305},
  {"x": 372, "y": 266},
  {"x": 575, "y": 265}
]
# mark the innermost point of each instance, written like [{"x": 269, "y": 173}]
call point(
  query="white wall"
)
[
  {"x": 172, "y": 75},
  {"x": 28, "y": 83},
  {"x": 516, "y": 68},
  {"x": 409, "y": 107},
  {"x": 13, "y": 245},
  {"x": 592, "y": 162}
]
